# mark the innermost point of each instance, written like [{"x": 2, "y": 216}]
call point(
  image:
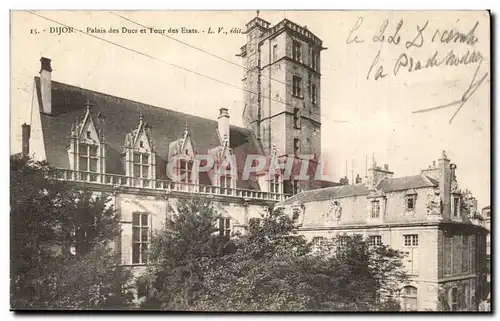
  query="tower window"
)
[
  {"x": 296, "y": 50},
  {"x": 309, "y": 82},
  {"x": 314, "y": 59},
  {"x": 275, "y": 53},
  {"x": 296, "y": 145},
  {"x": 313, "y": 94},
  {"x": 296, "y": 86},
  {"x": 296, "y": 117}
]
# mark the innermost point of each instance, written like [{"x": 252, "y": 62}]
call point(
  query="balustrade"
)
[{"x": 158, "y": 184}]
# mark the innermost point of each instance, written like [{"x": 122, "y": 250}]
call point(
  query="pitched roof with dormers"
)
[
  {"x": 406, "y": 183},
  {"x": 386, "y": 186},
  {"x": 121, "y": 117}
]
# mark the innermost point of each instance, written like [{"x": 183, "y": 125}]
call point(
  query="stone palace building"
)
[
  {"x": 426, "y": 216},
  {"x": 123, "y": 147}
]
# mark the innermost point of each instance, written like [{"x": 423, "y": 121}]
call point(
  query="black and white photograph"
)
[{"x": 250, "y": 161}]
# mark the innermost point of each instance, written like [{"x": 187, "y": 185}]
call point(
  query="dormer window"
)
[
  {"x": 185, "y": 170},
  {"x": 88, "y": 158},
  {"x": 225, "y": 184},
  {"x": 275, "y": 184},
  {"x": 139, "y": 154},
  {"x": 86, "y": 152},
  {"x": 410, "y": 200},
  {"x": 141, "y": 165}
]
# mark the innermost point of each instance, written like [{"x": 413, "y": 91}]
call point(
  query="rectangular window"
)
[
  {"x": 467, "y": 296},
  {"x": 296, "y": 146},
  {"x": 456, "y": 206},
  {"x": 296, "y": 50},
  {"x": 185, "y": 171},
  {"x": 375, "y": 212},
  {"x": 275, "y": 184},
  {"x": 140, "y": 238},
  {"x": 275, "y": 53},
  {"x": 411, "y": 239},
  {"x": 224, "y": 226},
  {"x": 88, "y": 158},
  {"x": 296, "y": 187},
  {"x": 317, "y": 242},
  {"x": 141, "y": 165},
  {"x": 314, "y": 59},
  {"x": 83, "y": 149},
  {"x": 454, "y": 299},
  {"x": 465, "y": 254},
  {"x": 296, "y": 118},
  {"x": 225, "y": 181},
  {"x": 309, "y": 82},
  {"x": 448, "y": 254},
  {"x": 375, "y": 240},
  {"x": 314, "y": 94},
  {"x": 343, "y": 241},
  {"x": 410, "y": 202},
  {"x": 93, "y": 151},
  {"x": 297, "y": 86}
]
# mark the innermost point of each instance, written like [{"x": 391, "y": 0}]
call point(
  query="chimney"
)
[
  {"x": 376, "y": 174},
  {"x": 445, "y": 172},
  {"x": 223, "y": 123},
  {"x": 432, "y": 171},
  {"x": 26, "y": 129},
  {"x": 45, "y": 85}
]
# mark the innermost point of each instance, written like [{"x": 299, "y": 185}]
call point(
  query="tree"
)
[
  {"x": 268, "y": 268},
  {"x": 60, "y": 243},
  {"x": 180, "y": 252},
  {"x": 275, "y": 269}
]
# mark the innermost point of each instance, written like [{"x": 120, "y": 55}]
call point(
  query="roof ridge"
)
[{"x": 133, "y": 101}]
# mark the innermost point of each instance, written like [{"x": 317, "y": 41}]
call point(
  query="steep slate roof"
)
[
  {"x": 327, "y": 193},
  {"x": 405, "y": 183},
  {"x": 385, "y": 185},
  {"x": 122, "y": 115}
]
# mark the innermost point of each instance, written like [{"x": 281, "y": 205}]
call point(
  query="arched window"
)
[{"x": 409, "y": 295}]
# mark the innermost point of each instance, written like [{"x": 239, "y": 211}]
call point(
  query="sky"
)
[{"x": 361, "y": 117}]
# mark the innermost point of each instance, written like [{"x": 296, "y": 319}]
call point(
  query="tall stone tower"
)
[{"x": 282, "y": 89}]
